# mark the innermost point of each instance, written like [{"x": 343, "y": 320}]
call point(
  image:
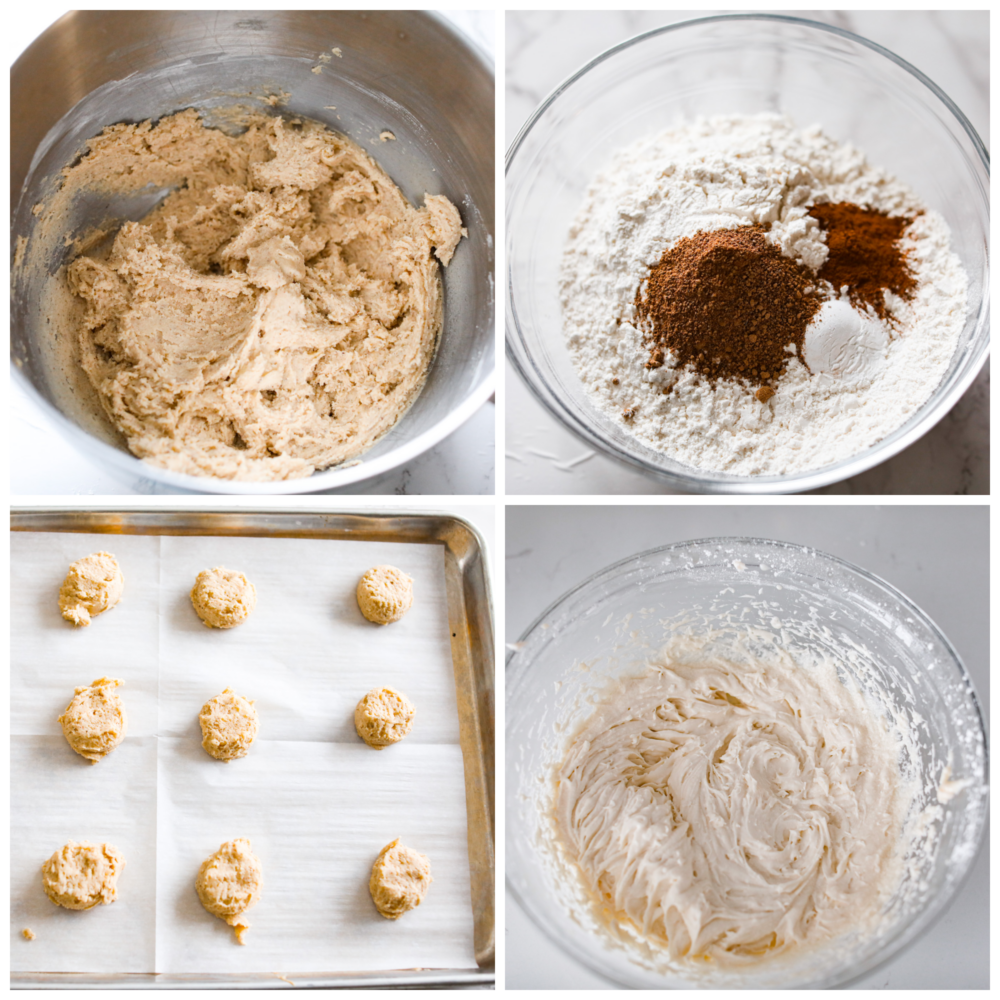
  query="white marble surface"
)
[
  {"x": 42, "y": 463},
  {"x": 937, "y": 556},
  {"x": 543, "y": 47}
]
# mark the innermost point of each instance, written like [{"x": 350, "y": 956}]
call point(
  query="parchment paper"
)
[{"x": 317, "y": 804}]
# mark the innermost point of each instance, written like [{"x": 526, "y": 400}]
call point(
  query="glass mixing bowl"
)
[
  {"x": 611, "y": 623},
  {"x": 857, "y": 91}
]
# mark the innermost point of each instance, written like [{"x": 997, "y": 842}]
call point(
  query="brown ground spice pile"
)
[
  {"x": 728, "y": 303},
  {"x": 865, "y": 254}
]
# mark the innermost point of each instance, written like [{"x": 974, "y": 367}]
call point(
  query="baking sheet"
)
[{"x": 316, "y": 803}]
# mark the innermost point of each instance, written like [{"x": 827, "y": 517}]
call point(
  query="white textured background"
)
[
  {"x": 937, "y": 556},
  {"x": 544, "y": 47},
  {"x": 43, "y": 464}
]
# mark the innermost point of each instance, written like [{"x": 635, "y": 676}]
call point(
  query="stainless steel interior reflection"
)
[{"x": 402, "y": 71}]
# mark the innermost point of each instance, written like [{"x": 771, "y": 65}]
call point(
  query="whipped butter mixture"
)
[
  {"x": 723, "y": 812},
  {"x": 274, "y": 315}
]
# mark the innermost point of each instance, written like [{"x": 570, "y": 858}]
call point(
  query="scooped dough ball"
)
[
  {"x": 400, "y": 879},
  {"x": 79, "y": 876},
  {"x": 92, "y": 585},
  {"x": 229, "y": 724},
  {"x": 383, "y": 717},
  {"x": 229, "y": 883},
  {"x": 94, "y": 721},
  {"x": 385, "y": 594},
  {"x": 223, "y": 598}
]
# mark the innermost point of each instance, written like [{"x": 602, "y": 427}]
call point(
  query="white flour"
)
[{"x": 721, "y": 173}]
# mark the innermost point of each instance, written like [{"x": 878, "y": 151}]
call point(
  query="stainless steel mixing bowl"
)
[{"x": 402, "y": 71}]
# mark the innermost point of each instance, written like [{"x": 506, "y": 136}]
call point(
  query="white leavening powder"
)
[{"x": 725, "y": 172}]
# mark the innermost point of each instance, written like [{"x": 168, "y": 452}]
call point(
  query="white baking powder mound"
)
[
  {"x": 861, "y": 379},
  {"x": 848, "y": 346}
]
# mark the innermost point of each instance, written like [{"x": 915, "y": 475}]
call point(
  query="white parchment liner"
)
[{"x": 316, "y": 803}]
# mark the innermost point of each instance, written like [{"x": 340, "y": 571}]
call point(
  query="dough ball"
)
[
  {"x": 229, "y": 883},
  {"x": 79, "y": 876},
  {"x": 92, "y": 585},
  {"x": 383, "y": 717},
  {"x": 94, "y": 721},
  {"x": 223, "y": 598},
  {"x": 229, "y": 724},
  {"x": 385, "y": 594},
  {"x": 400, "y": 879}
]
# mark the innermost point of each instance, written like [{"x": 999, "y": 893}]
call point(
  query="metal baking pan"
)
[{"x": 470, "y": 614}]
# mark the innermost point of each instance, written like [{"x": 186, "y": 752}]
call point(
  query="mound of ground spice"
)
[
  {"x": 865, "y": 254},
  {"x": 728, "y": 303}
]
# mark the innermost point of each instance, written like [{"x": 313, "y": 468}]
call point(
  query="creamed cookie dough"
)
[{"x": 275, "y": 314}]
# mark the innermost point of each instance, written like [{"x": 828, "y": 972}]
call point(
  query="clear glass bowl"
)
[
  {"x": 913, "y": 669},
  {"x": 856, "y": 90}
]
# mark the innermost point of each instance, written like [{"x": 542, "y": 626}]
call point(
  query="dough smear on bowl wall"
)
[{"x": 274, "y": 315}]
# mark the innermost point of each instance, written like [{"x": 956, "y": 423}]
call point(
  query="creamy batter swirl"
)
[{"x": 725, "y": 812}]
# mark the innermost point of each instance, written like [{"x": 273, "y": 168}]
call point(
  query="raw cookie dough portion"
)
[
  {"x": 400, "y": 879},
  {"x": 385, "y": 594},
  {"x": 274, "y": 315},
  {"x": 383, "y": 717},
  {"x": 94, "y": 722},
  {"x": 229, "y": 883},
  {"x": 229, "y": 724},
  {"x": 92, "y": 585},
  {"x": 223, "y": 598},
  {"x": 79, "y": 876}
]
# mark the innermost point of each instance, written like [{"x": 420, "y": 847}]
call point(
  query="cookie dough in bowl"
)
[
  {"x": 245, "y": 343},
  {"x": 735, "y": 769},
  {"x": 276, "y": 314},
  {"x": 82, "y": 876},
  {"x": 94, "y": 584},
  {"x": 94, "y": 722},
  {"x": 223, "y": 598}
]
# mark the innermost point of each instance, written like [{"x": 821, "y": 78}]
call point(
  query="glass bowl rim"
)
[
  {"x": 690, "y": 481},
  {"x": 940, "y": 903}
]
